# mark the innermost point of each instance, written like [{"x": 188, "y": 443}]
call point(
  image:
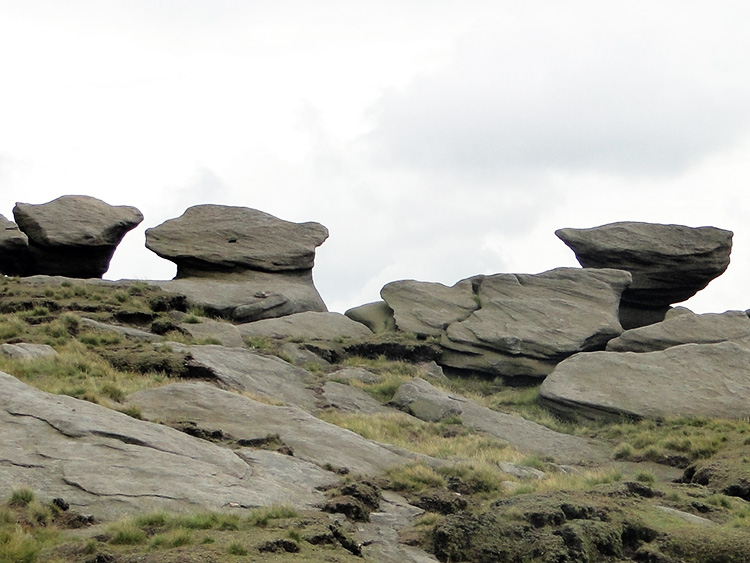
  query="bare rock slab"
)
[
  {"x": 705, "y": 380},
  {"x": 377, "y": 316},
  {"x": 243, "y": 370},
  {"x": 14, "y": 249},
  {"x": 26, "y": 351},
  {"x": 74, "y": 236},
  {"x": 528, "y": 323},
  {"x": 669, "y": 263},
  {"x": 426, "y": 308},
  {"x": 307, "y": 326},
  {"x": 241, "y": 418},
  {"x": 108, "y": 464},
  {"x": 227, "y": 238},
  {"x": 684, "y": 328}
]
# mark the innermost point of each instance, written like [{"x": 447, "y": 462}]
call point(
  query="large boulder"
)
[
  {"x": 14, "y": 249},
  {"x": 684, "y": 328},
  {"x": 307, "y": 326},
  {"x": 705, "y": 380},
  {"x": 669, "y": 263},
  {"x": 377, "y": 316},
  {"x": 528, "y": 323},
  {"x": 73, "y": 236},
  {"x": 225, "y": 238},
  {"x": 106, "y": 463},
  {"x": 427, "y": 308}
]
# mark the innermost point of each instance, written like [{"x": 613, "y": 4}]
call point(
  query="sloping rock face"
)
[
  {"x": 685, "y": 328},
  {"x": 307, "y": 326},
  {"x": 226, "y": 238},
  {"x": 669, "y": 263},
  {"x": 243, "y": 370},
  {"x": 377, "y": 316},
  {"x": 14, "y": 248},
  {"x": 705, "y": 380},
  {"x": 240, "y": 263},
  {"x": 106, "y": 463},
  {"x": 528, "y": 323},
  {"x": 426, "y": 308},
  {"x": 420, "y": 399},
  {"x": 73, "y": 236},
  {"x": 246, "y": 421}
]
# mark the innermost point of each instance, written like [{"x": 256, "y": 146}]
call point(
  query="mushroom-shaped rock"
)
[
  {"x": 669, "y": 263},
  {"x": 210, "y": 238},
  {"x": 528, "y": 323},
  {"x": 14, "y": 249},
  {"x": 74, "y": 236}
]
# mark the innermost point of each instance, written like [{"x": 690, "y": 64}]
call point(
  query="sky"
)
[{"x": 436, "y": 139}]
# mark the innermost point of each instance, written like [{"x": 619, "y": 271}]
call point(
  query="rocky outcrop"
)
[
  {"x": 526, "y": 323},
  {"x": 309, "y": 326},
  {"x": 73, "y": 236},
  {"x": 685, "y": 328},
  {"x": 427, "y": 309},
  {"x": 669, "y": 263},
  {"x": 705, "y": 380},
  {"x": 240, "y": 263},
  {"x": 25, "y": 351},
  {"x": 208, "y": 238},
  {"x": 106, "y": 463},
  {"x": 14, "y": 248},
  {"x": 245, "y": 421}
]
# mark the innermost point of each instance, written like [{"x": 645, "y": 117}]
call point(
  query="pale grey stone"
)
[
  {"x": 307, "y": 326},
  {"x": 378, "y": 316}
]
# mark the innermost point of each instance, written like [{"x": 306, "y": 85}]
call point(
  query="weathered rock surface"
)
[
  {"x": 73, "y": 236},
  {"x": 353, "y": 373},
  {"x": 249, "y": 296},
  {"x": 350, "y": 399},
  {"x": 528, "y": 323},
  {"x": 377, "y": 316},
  {"x": 26, "y": 351},
  {"x": 427, "y": 308},
  {"x": 708, "y": 380},
  {"x": 225, "y": 333},
  {"x": 429, "y": 403},
  {"x": 106, "y": 463},
  {"x": 684, "y": 328},
  {"x": 226, "y": 238},
  {"x": 669, "y": 263},
  {"x": 14, "y": 249},
  {"x": 126, "y": 331},
  {"x": 243, "y": 370},
  {"x": 309, "y": 326},
  {"x": 246, "y": 421}
]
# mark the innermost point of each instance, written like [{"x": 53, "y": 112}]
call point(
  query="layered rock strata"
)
[{"x": 241, "y": 263}]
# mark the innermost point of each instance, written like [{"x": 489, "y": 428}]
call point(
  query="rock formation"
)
[
  {"x": 14, "y": 248},
  {"x": 73, "y": 236},
  {"x": 669, "y": 263},
  {"x": 241, "y": 263},
  {"x": 527, "y": 323}
]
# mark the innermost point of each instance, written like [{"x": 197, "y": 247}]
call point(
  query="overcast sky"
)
[{"x": 435, "y": 139}]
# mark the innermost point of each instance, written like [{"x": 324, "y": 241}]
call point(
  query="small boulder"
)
[
  {"x": 377, "y": 316},
  {"x": 74, "y": 236},
  {"x": 209, "y": 238},
  {"x": 420, "y": 399},
  {"x": 26, "y": 351}
]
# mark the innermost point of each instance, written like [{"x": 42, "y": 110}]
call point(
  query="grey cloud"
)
[{"x": 575, "y": 99}]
